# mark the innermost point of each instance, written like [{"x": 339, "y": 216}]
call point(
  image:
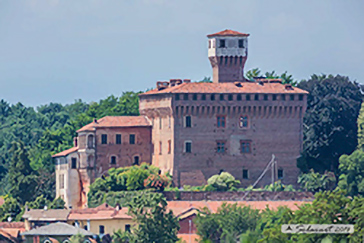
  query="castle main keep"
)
[{"x": 196, "y": 130}]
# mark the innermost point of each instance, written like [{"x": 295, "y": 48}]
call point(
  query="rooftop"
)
[
  {"x": 103, "y": 211},
  {"x": 46, "y": 215},
  {"x": 228, "y": 88},
  {"x": 117, "y": 121},
  {"x": 63, "y": 229},
  {"x": 66, "y": 152},
  {"x": 228, "y": 32}
]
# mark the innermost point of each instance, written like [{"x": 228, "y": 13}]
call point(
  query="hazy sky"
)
[{"x": 62, "y": 50}]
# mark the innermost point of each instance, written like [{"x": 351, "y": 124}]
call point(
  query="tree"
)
[
  {"x": 360, "y": 122},
  {"x": 22, "y": 179},
  {"x": 330, "y": 126},
  {"x": 155, "y": 223},
  {"x": 78, "y": 238},
  {"x": 122, "y": 237},
  {"x": 315, "y": 182},
  {"x": 10, "y": 209},
  {"x": 352, "y": 173},
  {"x": 286, "y": 78},
  {"x": 222, "y": 182}
]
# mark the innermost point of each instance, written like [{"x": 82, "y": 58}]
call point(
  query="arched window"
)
[
  {"x": 90, "y": 141},
  {"x": 136, "y": 160},
  {"x": 91, "y": 161},
  {"x": 113, "y": 160}
]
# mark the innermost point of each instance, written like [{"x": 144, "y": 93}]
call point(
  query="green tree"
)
[
  {"x": 155, "y": 223},
  {"x": 10, "y": 209},
  {"x": 315, "y": 182},
  {"x": 78, "y": 238},
  {"x": 222, "y": 182},
  {"x": 122, "y": 237},
  {"x": 330, "y": 125},
  {"x": 360, "y": 122},
  {"x": 352, "y": 173}
]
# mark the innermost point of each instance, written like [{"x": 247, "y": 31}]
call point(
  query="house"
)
[
  {"x": 55, "y": 232},
  {"x": 10, "y": 231},
  {"x": 40, "y": 217}
]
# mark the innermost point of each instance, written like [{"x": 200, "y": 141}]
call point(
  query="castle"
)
[{"x": 195, "y": 130}]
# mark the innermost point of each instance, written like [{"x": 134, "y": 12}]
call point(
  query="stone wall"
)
[{"x": 239, "y": 196}]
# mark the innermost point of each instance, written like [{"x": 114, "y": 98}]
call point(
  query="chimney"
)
[
  {"x": 172, "y": 82},
  {"x": 95, "y": 120},
  {"x": 187, "y": 80},
  {"x": 238, "y": 84},
  {"x": 45, "y": 208},
  {"x": 75, "y": 142},
  {"x": 178, "y": 81},
  {"x": 162, "y": 85},
  {"x": 117, "y": 207},
  {"x": 288, "y": 87}
]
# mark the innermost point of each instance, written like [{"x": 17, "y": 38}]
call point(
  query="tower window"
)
[
  {"x": 243, "y": 122},
  {"x": 221, "y": 97},
  {"x": 132, "y": 138},
  {"x": 283, "y": 97},
  {"x": 247, "y": 97},
  {"x": 220, "y": 147},
  {"x": 113, "y": 160},
  {"x": 300, "y": 97},
  {"x": 136, "y": 160},
  {"x": 103, "y": 139},
  {"x": 194, "y": 97},
  {"x": 209, "y": 43},
  {"x": 160, "y": 122},
  {"x": 203, "y": 97},
  {"x": 245, "y": 174},
  {"x": 73, "y": 163},
  {"x": 222, "y": 43},
  {"x": 238, "y": 97},
  {"x": 177, "y": 96},
  {"x": 185, "y": 96},
  {"x": 241, "y": 43},
  {"x": 212, "y": 97},
  {"x": 61, "y": 181},
  {"x": 245, "y": 147},
  {"x": 118, "y": 138},
  {"x": 188, "y": 147},
  {"x": 274, "y": 97},
  {"x": 256, "y": 97},
  {"x": 101, "y": 229},
  {"x": 280, "y": 173},
  {"x": 221, "y": 121},
  {"x": 188, "y": 121},
  {"x": 169, "y": 146},
  {"x": 230, "y": 97},
  {"x": 160, "y": 147},
  {"x": 291, "y": 97}
]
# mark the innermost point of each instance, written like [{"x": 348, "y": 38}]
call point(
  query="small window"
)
[
  {"x": 238, "y": 97},
  {"x": 188, "y": 147},
  {"x": 256, "y": 97},
  {"x": 127, "y": 228},
  {"x": 245, "y": 147},
  {"x": 243, "y": 122},
  {"x": 212, "y": 97},
  {"x": 101, "y": 229},
  {"x": 245, "y": 174},
  {"x": 291, "y": 97},
  {"x": 132, "y": 138},
  {"x": 113, "y": 160},
  {"x": 203, "y": 97},
  {"x": 188, "y": 121},
  {"x": 209, "y": 44},
  {"x": 136, "y": 160},
  {"x": 300, "y": 97},
  {"x": 177, "y": 96},
  {"x": 73, "y": 163},
  {"x": 160, "y": 147},
  {"x": 274, "y": 97},
  {"x": 221, "y": 97},
  {"x": 220, "y": 147},
  {"x": 103, "y": 139},
  {"x": 280, "y": 173},
  {"x": 85, "y": 227},
  {"x": 118, "y": 138},
  {"x": 160, "y": 122},
  {"x": 222, "y": 43},
  {"x": 221, "y": 121},
  {"x": 247, "y": 97},
  {"x": 230, "y": 97},
  {"x": 185, "y": 96},
  {"x": 241, "y": 43},
  {"x": 61, "y": 181},
  {"x": 265, "y": 97},
  {"x": 283, "y": 97},
  {"x": 169, "y": 146},
  {"x": 194, "y": 97}
]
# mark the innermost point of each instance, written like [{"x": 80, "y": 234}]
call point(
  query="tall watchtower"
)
[{"x": 228, "y": 51}]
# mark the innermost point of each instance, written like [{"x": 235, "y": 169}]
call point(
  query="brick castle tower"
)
[{"x": 228, "y": 51}]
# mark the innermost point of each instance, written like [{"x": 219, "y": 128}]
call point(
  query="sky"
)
[{"x": 63, "y": 50}]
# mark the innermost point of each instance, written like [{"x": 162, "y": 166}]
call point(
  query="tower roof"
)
[{"x": 228, "y": 32}]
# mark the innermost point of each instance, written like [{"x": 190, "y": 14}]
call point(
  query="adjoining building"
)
[{"x": 196, "y": 130}]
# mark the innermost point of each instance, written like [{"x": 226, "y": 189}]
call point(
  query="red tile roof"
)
[
  {"x": 18, "y": 225},
  {"x": 228, "y": 33},
  {"x": 189, "y": 238},
  {"x": 101, "y": 212},
  {"x": 117, "y": 121},
  {"x": 246, "y": 87},
  {"x": 179, "y": 207},
  {"x": 66, "y": 152}
]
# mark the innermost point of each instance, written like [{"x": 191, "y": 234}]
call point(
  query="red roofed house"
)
[{"x": 196, "y": 130}]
